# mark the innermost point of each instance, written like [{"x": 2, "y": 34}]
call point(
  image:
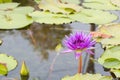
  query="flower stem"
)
[{"x": 80, "y": 65}]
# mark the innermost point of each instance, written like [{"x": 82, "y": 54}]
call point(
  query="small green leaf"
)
[
  {"x": 3, "y": 69},
  {"x": 9, "y": 61},
  {"x": 58, "y": 47}
]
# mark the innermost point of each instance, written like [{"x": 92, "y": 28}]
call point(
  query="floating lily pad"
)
[
  {"x": 5, "y": 1},
  {"x": 9, "y": 61},
  {"x": 100, "y": 4},
  {"x": 14, "y": 21},
  {"x": 116, "y": 72},
  {"x": 3, "y": 69},
  {"x": 116, "y": 2},
  {"x": 57, "y": 7},
  {"x": 11, "y": 16},
  {"x": 8, "y": 6},
  {"x": 49, "y": 18},
  {"x": 111, "y": 58},
  {"x": 71, "y": 1},
  {"x": 23, "y": 10},
  {"x": 110, "y": 29},
  {"x": 87, "y": 76},
  {"x": 91, "y": 16}
]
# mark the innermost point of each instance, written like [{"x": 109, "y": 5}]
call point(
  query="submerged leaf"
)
[
  {"x": 3, "y": 69},
  {"x": 9, "y": 61},
  {"x": 100, "y": 4}
]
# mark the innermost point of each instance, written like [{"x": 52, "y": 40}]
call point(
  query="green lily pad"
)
[
  {"x": 3, "y": 69},
  {"x": 23, "y": 10},
  {"x": 112, "y": 63},
  {"x": 9, "y": 61},
  {"x": 116, "y": 2},
  {"x": 5, "y": 1},
  {"x": 110, "y": 29},
  {"x": 49, "y": 18},
  {"x": 111, "y": 58},
  {"x": 11, "y": 15},
  {"x": 14, "y": 21},
  {"x": 58, "y": 7},
  {"x": 87, "y": 76},
  {"x": 116, "y": 72},
  {"x": 8, "y": 6},
  {"x": 71, "y": 1},
  {"x": 91, "y": 16},
  {"x": 100, "y": 4}
]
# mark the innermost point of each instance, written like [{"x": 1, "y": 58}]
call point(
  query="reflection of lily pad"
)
[
  {"x": 93, "y": 16},
  {"x": 49, "y": 18},
  {"x": 9, "y": 61},
  {"x": 100, "y": 4},
  {"x": 111, "y": 58},
  {"x": 113, "y": 30},
  {"x": 87, "y": 76},
  {"x": 3, "y": 69},
  {"x": 11, "y": 21}
]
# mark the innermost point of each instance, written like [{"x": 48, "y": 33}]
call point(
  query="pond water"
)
[{"x": 36, "y": 46}]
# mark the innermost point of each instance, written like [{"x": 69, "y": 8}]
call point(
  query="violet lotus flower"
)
[{"x": 79, "y": 42}]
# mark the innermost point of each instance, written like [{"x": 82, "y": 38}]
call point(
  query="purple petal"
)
[{"x": 67, "y": 51}]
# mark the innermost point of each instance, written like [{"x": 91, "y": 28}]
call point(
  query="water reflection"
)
[{"x": 45, "y": 37}]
